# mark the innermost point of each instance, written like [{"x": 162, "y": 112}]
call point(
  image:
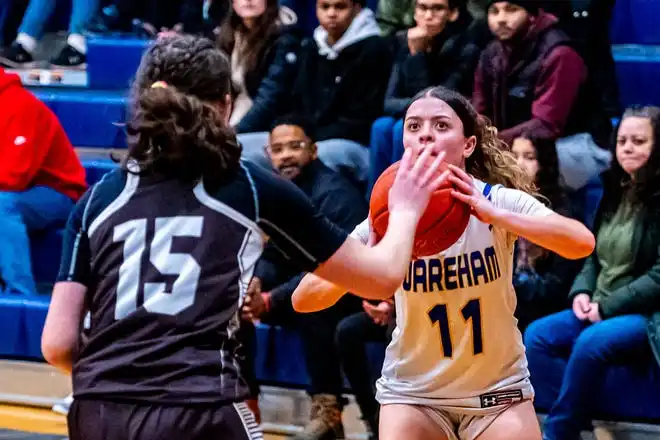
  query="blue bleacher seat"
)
[
  {"x": 638, "y": 70},
  {"x": 12, "y": 317},
  {"x": 91, "y": 118},
  {"x": 97, "y": 168},
  {"x": 635, "y": 22},
  {"x": 46, "y": 249},
  {"x": 113, "y": 60},
  {"x": 35, "y": 310}
]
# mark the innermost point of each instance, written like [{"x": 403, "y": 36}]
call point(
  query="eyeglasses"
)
[
  {"x": 434, "y": 9},
  {"x": 279, "y": 147}
]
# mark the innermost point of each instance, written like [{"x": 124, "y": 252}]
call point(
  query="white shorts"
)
[{"x": 461, "y": 426}]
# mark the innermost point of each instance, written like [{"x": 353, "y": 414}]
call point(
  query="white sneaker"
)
[{"x": 63, "y": 406}]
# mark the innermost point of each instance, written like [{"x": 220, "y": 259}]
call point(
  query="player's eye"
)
[
  {"x": 413, "y": 125},
  {"x": 441, "y": 125}
]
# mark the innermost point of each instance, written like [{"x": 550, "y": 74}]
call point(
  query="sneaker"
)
[
  {"x": 63, "y": 406},
  {"x": 325, "y": 423},
  {"x": 16, "y": 57},
  {"x": 70, "y": 58}
]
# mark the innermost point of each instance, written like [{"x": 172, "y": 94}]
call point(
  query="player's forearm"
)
[
  {"x": 374, "y": 272},
  {"x": 564, "y": 236},
  {"x": 314, "y": 294}
]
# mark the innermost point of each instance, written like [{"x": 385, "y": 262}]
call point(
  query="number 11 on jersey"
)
[{"x": 471, "y": 312}]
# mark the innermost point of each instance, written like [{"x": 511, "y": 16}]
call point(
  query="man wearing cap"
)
[{"x": 530, "y": 79}]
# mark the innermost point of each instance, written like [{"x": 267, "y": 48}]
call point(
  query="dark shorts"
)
[{"x": 100, "y": 420}]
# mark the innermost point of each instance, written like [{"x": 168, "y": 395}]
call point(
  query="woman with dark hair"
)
[
  {"x": 161, "y": 251},
  {"x": 615, "y": 318},
  {"x": 456, "y": 367},
  {"x": 261, "y": 39},
  {"x": 542, "y": 278}
]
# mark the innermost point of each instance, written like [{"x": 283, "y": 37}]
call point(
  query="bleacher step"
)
[{"x": 93, "y": 118}]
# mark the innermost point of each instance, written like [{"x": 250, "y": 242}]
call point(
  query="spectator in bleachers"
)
[
  {"x": 40, "y": 179},
  {"x": 261, "y": 39},
  {"x": 354, "y": 332},
  {"x": 433, "y": 53},
  {"x": 530, "y": 79},
  {"x": 20, "y": 54},
  {"x": 294, "y": 156},
  {"x": 340, "y": 84},
  {"x": 616, "y": 297},
  {"x": 542, "y": 278}
]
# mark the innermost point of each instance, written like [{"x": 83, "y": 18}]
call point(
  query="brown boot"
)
[{"x": 325, "y": 423}]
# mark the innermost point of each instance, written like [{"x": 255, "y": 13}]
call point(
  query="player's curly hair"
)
[
  {"x": 179, "y": 99},
  {"x": 492, "y": 160}
]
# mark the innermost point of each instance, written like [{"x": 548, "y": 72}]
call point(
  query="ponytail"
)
[
  {"x": 180, "y": 136},
  {"x": 493, "y": 162}
]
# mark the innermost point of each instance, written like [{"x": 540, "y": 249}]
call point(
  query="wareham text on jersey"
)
[{"x": 450, "y": 273}]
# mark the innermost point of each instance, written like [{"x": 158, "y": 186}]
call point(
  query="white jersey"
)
[{"x": 456, "y": 342}]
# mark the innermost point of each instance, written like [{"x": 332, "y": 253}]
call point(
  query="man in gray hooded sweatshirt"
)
[{"x": 340, "y": 85}]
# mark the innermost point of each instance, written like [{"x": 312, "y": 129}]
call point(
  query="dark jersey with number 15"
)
[{"x": 166, "y": 265}]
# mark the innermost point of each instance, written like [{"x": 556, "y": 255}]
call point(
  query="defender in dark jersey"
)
[{"x": 160, "y": 253}]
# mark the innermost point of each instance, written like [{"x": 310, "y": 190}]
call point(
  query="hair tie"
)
[{"x": 159, "y": 85}]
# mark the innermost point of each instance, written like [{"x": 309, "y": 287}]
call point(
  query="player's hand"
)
[
  {"x": 418, "y": 40},
  {"x": 254, "y": 305},
  {"x": 415, "y": 181},
  {"x": 582, "y": 306},
  {"x": 177, "y": 29},
  {"x": 381, "y": 314},
  {"x": 594, "y": 313},
  {"x": 467, "y": 193}
]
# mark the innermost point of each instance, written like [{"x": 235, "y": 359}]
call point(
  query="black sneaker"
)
[
  {"x": 16, "y": 57},
  {"x": 70, "y": 58}
]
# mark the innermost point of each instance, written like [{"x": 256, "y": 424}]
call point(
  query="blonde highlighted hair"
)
[{"x": 492, "y": 160}]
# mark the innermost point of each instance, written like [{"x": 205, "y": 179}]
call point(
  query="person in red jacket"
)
[
  {"x": 40, "y": 179},
  {"x": 531, "y": 79}
]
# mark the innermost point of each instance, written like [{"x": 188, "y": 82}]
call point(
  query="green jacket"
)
[{"x": 641, "y": 296}]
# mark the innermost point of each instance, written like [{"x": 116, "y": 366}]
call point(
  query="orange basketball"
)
[{"x": 442, "y": 224}]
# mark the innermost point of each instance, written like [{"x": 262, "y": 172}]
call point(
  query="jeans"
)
[
  {"x": 20, "y": 212},
  {"x": 341, "y": 155},
  {"x": 39, "y": 13},
  {"x": 353, "y": 334},
  {"x": 386, "y": 146},
  {"x": 568, "y": 361}
]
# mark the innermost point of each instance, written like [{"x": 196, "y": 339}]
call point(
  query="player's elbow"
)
[
  {"x": 581, "y": 248},
  {"x": 55, "y": 351},
  {"x": 581, "y": 244},
  {"x": 380, "y": 288}
]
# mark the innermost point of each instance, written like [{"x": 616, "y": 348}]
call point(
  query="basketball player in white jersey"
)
[{"x": 456, "y": 366}]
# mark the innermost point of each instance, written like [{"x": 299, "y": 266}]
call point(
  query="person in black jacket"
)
[
  {"x": 438, "y": 51},
  {"x": 261, "y": 39},
  {"x": 542, "y": 278},
  {"x": 342, "y": 73},
  {"x": 294, "y": 157}
]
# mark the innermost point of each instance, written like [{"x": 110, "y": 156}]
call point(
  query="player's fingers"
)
[
  {"x": 461, "y": 174},
  {"x": 440, "y": 180},
  {"x": 462, "y": 197},
  {"x": 421, "y": 164},
  {"x": 433, "y": 169},
  {"x": 406, "y": 161},
  {"x": 462, "y": 185}
]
